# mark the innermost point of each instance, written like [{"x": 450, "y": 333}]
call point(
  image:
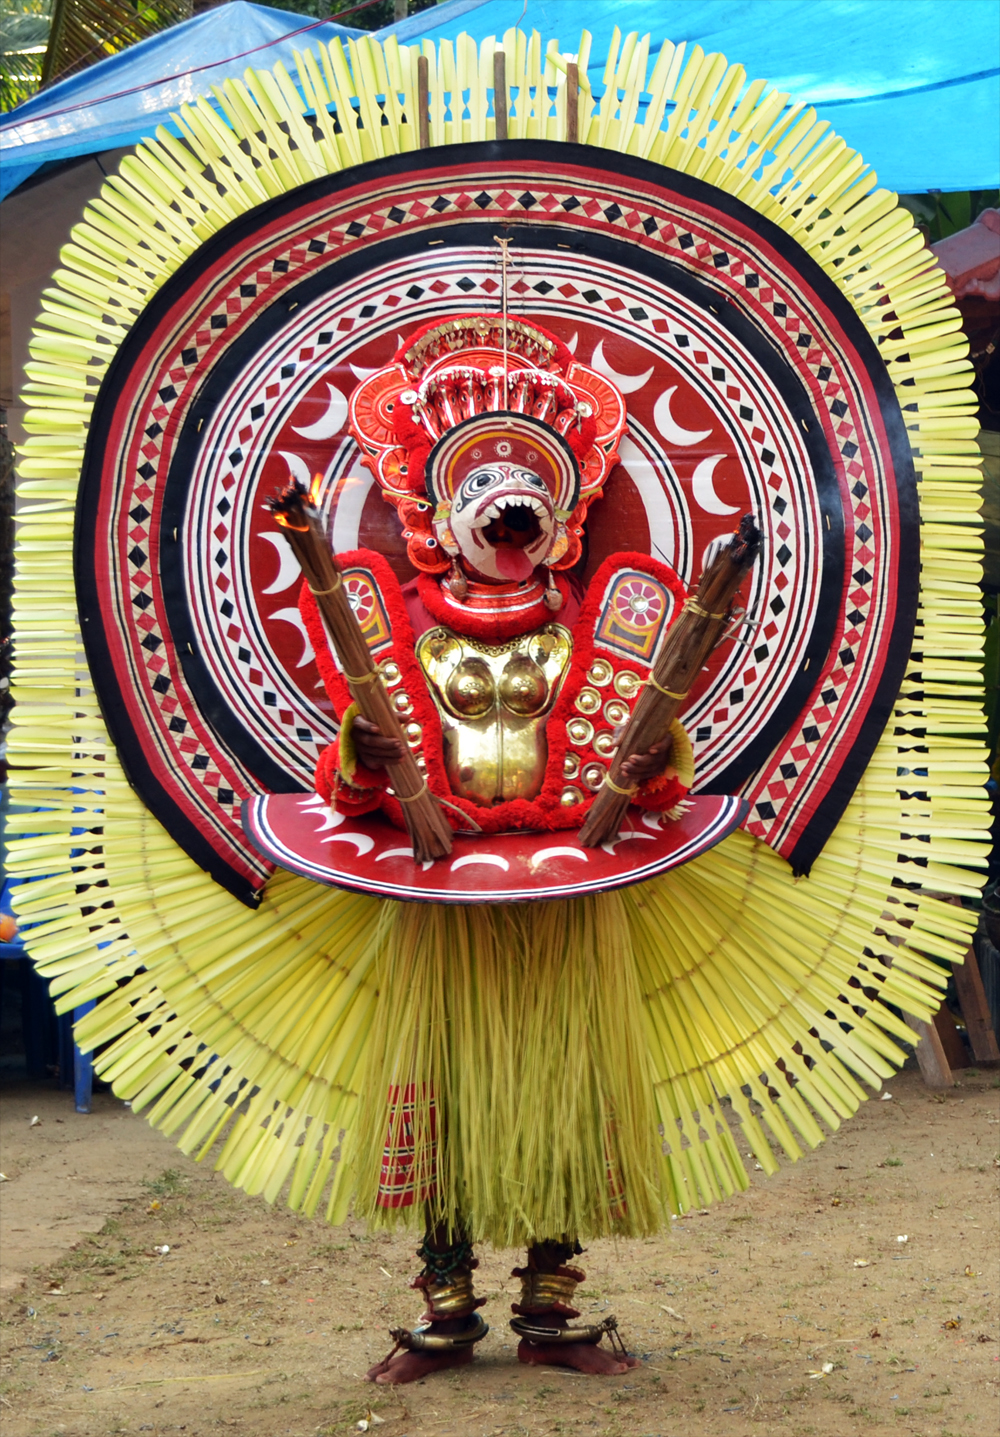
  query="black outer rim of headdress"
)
[
  {"x": 484, "y": 155},
  {"x": 494, "y": 418}
]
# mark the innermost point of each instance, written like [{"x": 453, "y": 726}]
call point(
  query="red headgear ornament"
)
[{"x": 453, "y": 370}]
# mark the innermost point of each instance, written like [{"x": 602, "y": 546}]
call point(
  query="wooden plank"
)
[
  {"x": 951, "y": 1040},
  {"x": 976, "y": 1010},
  {"x": 572, "y": 102},
  {"x": 930, "y": 1054},
  {"x": 500, "y": 92},
  {"x": 423, "y": 105}
]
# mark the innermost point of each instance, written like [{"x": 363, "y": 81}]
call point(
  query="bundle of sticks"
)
[
  {"x": 302, "y": 525},
  {"x": 689, "y": 641}
]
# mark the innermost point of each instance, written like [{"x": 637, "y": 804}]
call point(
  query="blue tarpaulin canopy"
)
[{"x": 914, "y": 85}]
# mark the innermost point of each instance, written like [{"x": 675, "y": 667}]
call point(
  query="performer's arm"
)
[{"x": 351, "y": 772}]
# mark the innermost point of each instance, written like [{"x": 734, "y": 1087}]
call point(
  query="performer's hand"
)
[
  {"x": 641, "y": 767},
  {"x": 374, "y": 750}
]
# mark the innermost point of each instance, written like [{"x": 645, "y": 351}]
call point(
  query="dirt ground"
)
[{"x": 794, "y": 1309}]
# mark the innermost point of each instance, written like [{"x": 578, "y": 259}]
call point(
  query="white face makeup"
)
[{"x": 502, "y": 522}]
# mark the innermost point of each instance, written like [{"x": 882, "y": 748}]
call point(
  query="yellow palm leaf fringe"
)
[{"x": 764, "y": 998}]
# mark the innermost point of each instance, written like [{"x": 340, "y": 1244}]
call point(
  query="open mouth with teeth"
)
[{"x": 513, "y": 520}]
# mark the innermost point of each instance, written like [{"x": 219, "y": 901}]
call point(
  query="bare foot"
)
[
  {"x": 586, "y": 1357},
  {"x": 412, "y": 1366}
]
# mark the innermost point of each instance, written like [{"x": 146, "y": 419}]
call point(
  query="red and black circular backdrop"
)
[{"x": 749, "y": 381}]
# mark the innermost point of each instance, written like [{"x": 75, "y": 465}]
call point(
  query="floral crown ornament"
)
[{"x": 531, "y": 394}]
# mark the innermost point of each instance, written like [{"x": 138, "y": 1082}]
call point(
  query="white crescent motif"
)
[
  {"x": 493, "y": 858},
  {"x": 703, "y": 489},
  {"x": 668, "y": 426},
  {"x": 288, "y": 565},
  {"x": 331, "y": 818},
  {"x": 363, "y": 842},
  {"x": 395, "y": 853},
  {"x": 572, "y": 343},
  {"x": 297, "y": 468},
  {"x": 332, "y": 421},
  {"x": 546, "y": 853},
  {"x": 292, "y": 616},
  {"x": 359, "y": 370},
  {"x": 609, "y": 847},
  {"x": 627, "y": 383},
  {"x": 651, "y": 820}
]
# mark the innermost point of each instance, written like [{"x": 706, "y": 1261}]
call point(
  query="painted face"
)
[{"x": 502, "y": 522}]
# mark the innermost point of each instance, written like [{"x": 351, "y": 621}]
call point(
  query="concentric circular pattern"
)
[{"x": 750, "y": 385}]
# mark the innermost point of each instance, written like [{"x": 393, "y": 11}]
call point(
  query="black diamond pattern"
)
[
  {"x": 287, "y": 370},
  {"x": 355, "y": 230},
  {"x": 862, "y": 576},
  {"x": 542, "y": 287},
  {"x": 142, "y": 601},
  {"x": 218, "y": 321},
  {"x": 139, "y": 513},
  {"x": 810, "y": 734},
  {"x": 526, "y": 200},
  {"x": 243, "y": 655},
  {"x": 766, "y": 810},
  {"x": 167, "y": 393},
  {"x": 804, "y": 340},
  {"x": 591, "y": 296},
  {"x": 177, "y": 725},
  {"x": 864, "y": 533},
  {"x": 200, "y": 760},
  {"x": 767, "y": 457},
  {"x": 781, "y": 310},
  {"x": 396, "y": 214},
  {"x": 703, "y": 733},
  {"x": 368, "y": 310},
  {"x": 161, "y": 683},
  {"x": 686, "y": 241},
  {"x": 317, "y": 246},
  {"x": 152, "y": 643},
  {"x": 849, "y": 449},
  {"x": 482, "y": 200},
  {"x": 137, "y": 556},
  {"x": 414, "y": 292},
  {"x": 752, "y": 281},
  {"x": 612, "y": 213},
  {"x": 638, "y": 313},
  {"x": 235, "y": 457},
  {"x": 736, "y": 696},
  {"x": 777, "y": 605},
  {"x": 789, "y": 770},
  {"x": 783, "y": 555},
  {"x": 271, "y": 699},
  {"x": 189, "y": 356},
  {"x": 571, "y": 204},
  {"x": 440, "y": 204},
  {"x": 860, "y": 490},
  {"x": 718, "y": 373},
  {"x": 224, "y": 795},
  {"x": 746, "y": 412},
  {"x": 220, "y": 557},
  {"x": 466, "y": 284},
  {"x": 649, "y": 225},
  {"x": 280, "y": 266},
  {"x": 226, "y": 609},
  {"x": 248, "y": 291},
  {"x": 223, "y": 507},
  {"x": 779, "y": 506},
  {"x": 720, "y": 259}
]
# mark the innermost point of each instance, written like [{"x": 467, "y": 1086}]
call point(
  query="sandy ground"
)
[{"x": 793, "y": 1309}]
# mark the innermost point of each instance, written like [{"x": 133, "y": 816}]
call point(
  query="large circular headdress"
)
[{"x": 784, "y": 343}]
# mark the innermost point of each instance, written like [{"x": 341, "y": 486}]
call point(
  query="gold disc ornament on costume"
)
[{"x": 785, "y": 344}]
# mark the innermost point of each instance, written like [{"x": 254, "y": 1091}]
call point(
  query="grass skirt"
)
[{"x": 516, "y": 1033}]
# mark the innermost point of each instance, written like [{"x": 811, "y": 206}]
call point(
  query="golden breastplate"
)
[{"x": 493, "y": 702}]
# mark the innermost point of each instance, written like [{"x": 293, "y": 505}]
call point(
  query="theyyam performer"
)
[{"x": 526, "y": 565}]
